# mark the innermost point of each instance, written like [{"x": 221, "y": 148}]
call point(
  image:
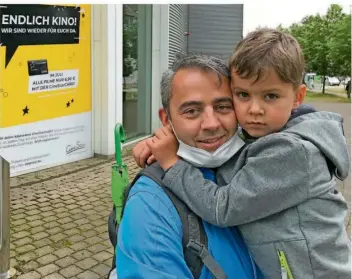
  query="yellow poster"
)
[
  {"x": 45, "y": 69},
  {"x": 45, "y": 85}
]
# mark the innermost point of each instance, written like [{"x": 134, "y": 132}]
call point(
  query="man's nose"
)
[
  {"x": 210, "y": 120},
  {"x": 255, "y": 108}
]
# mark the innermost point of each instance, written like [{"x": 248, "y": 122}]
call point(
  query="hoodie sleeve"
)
[{"x": 274, "y": 177}]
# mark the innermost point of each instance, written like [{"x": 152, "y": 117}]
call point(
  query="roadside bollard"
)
[{"x": 4, "y": 218}]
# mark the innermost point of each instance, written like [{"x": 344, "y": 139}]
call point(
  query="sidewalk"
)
[
  {"x": 59, "y": 221},
  {"x": 318, "y": 90},
  {"x": 59, "y": 216},
  {"x": 342, "y": 95}
]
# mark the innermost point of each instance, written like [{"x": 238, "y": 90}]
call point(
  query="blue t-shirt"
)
[{"x": 150, "y": 239}]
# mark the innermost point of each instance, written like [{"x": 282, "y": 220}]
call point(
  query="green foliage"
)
[
  {"x": 326, "y": 42},
  {"x": 340, "y": 47},
  {"x": 130, "y": 39}
]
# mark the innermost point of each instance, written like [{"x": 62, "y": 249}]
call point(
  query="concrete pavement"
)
[
  {"x": 59, "y": 225},
  {"x": 59, "y": 216}
]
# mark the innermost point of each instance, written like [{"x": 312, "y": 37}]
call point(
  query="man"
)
[
  {"x": 348, "y": 89},
  {"x": 197, "y": 102}
]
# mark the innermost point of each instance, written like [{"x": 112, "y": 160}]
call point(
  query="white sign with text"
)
[
  {"x": 55, "y": 80},
  {"x": 46, "y": 143}
]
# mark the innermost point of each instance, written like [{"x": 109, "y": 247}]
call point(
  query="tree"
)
[
  {"x": 130, "y": 40},
  {"x": 281, "y": 28},
  {"x": 325, "y": 41},
  {"x": 315, "y": 48},
  {"x": 340, "y": 47}
]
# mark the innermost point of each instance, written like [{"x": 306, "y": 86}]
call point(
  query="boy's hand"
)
[
  {"x": 164, "y": 147},
  {"x": 142, "y": 154}
]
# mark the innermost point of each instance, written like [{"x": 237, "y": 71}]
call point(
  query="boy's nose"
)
[{"x": 255, "y": 108}]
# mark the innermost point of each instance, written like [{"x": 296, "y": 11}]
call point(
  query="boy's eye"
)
[
  {"x": 271, "y": 96},
  {"x": 243, "y": 95}
]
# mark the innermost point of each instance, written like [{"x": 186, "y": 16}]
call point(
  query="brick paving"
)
[
  {"x": 59, "y": 221},
  {"x": 59, "y": 216}
]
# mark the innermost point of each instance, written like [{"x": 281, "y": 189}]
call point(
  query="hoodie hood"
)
[{"x": 325, "y": 131}]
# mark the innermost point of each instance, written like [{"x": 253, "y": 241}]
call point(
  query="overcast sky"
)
[{"x": 273, "y": 12}]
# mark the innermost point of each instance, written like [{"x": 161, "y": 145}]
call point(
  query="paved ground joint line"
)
[{"x": 62, "y": 174}]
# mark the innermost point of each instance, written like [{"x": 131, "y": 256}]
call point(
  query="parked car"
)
[
  {"x": 344, "y": 82},
  {"x": 332, "y": 81}
]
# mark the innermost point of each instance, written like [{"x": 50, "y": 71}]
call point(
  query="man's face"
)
[
  {"x": 201, "y": 111},
  {"x": 264, "y": 107}
]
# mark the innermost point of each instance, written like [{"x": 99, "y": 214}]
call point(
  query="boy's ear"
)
[{"x": 300, "y": 94}]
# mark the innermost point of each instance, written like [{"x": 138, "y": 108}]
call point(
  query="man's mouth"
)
[
  {"x": 211, "y": 144},
  {"x": 211, "y": 140}
]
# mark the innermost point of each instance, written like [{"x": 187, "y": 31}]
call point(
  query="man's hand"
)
[
  {"x": 164, "y": 147},
  {"x": 142, "y": 154}
]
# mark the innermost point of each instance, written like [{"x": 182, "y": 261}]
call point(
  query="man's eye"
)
[
  {"x": 271, "y": 96},
  {"x": 224, "y": 108},
  {"x": 192, "y": 112}
]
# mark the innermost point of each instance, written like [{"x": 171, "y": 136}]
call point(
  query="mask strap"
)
[{"x": 172, "y": 126}]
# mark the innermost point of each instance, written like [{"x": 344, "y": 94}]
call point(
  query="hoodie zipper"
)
[{"x": 285, "y": 269}]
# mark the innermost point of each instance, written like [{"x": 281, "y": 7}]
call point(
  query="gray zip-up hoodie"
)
[{"x": 282, "y": 194}]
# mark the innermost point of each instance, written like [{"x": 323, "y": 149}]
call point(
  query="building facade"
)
[
  {"x": 163, "y": 32},
  {"x": 131, "y": 46}
]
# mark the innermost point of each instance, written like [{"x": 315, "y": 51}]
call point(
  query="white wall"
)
[
  {"x": 160, "y": 52},
  {"x": 107, "y": 75},
  {"x": 107, "y": 70}
]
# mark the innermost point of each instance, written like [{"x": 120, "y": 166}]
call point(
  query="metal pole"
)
[{"x": 4, "y": 218}]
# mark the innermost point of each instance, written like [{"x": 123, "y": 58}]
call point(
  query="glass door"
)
[{"x": 137, "y": 61}]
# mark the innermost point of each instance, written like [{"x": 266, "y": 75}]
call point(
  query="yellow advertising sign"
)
[
  {"x": 45, "y": 69},
  {"x": 45, "y": 85}
]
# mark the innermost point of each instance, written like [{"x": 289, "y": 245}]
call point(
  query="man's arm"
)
[
  {"x": 274, "y": 177},
  {"x": 150, "y": 239}
]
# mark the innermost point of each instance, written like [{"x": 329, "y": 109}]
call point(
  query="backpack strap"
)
[
  {"x": 202, "y": 252},
  {"x": 112, "y": 223},
  {"x": 152, "y": 174},
  {"x": 193, "y": 230},
  {"x": 194, "y": 240}
]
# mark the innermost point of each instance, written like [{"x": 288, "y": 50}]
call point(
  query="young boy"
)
[{"x": 280, "y": 190}]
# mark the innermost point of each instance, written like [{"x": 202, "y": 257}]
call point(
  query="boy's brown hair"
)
[{"x": 266, "y": 49}]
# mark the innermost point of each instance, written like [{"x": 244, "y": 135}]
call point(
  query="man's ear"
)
[
  {"x": 300, "y": 94},
  {"x": 163, "y": 116}
]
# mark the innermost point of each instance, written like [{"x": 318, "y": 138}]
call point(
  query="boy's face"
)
[{"x": 264, "y": 107}]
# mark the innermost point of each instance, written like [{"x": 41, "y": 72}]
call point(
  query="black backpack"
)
[{"x": 194, "y": 239}]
